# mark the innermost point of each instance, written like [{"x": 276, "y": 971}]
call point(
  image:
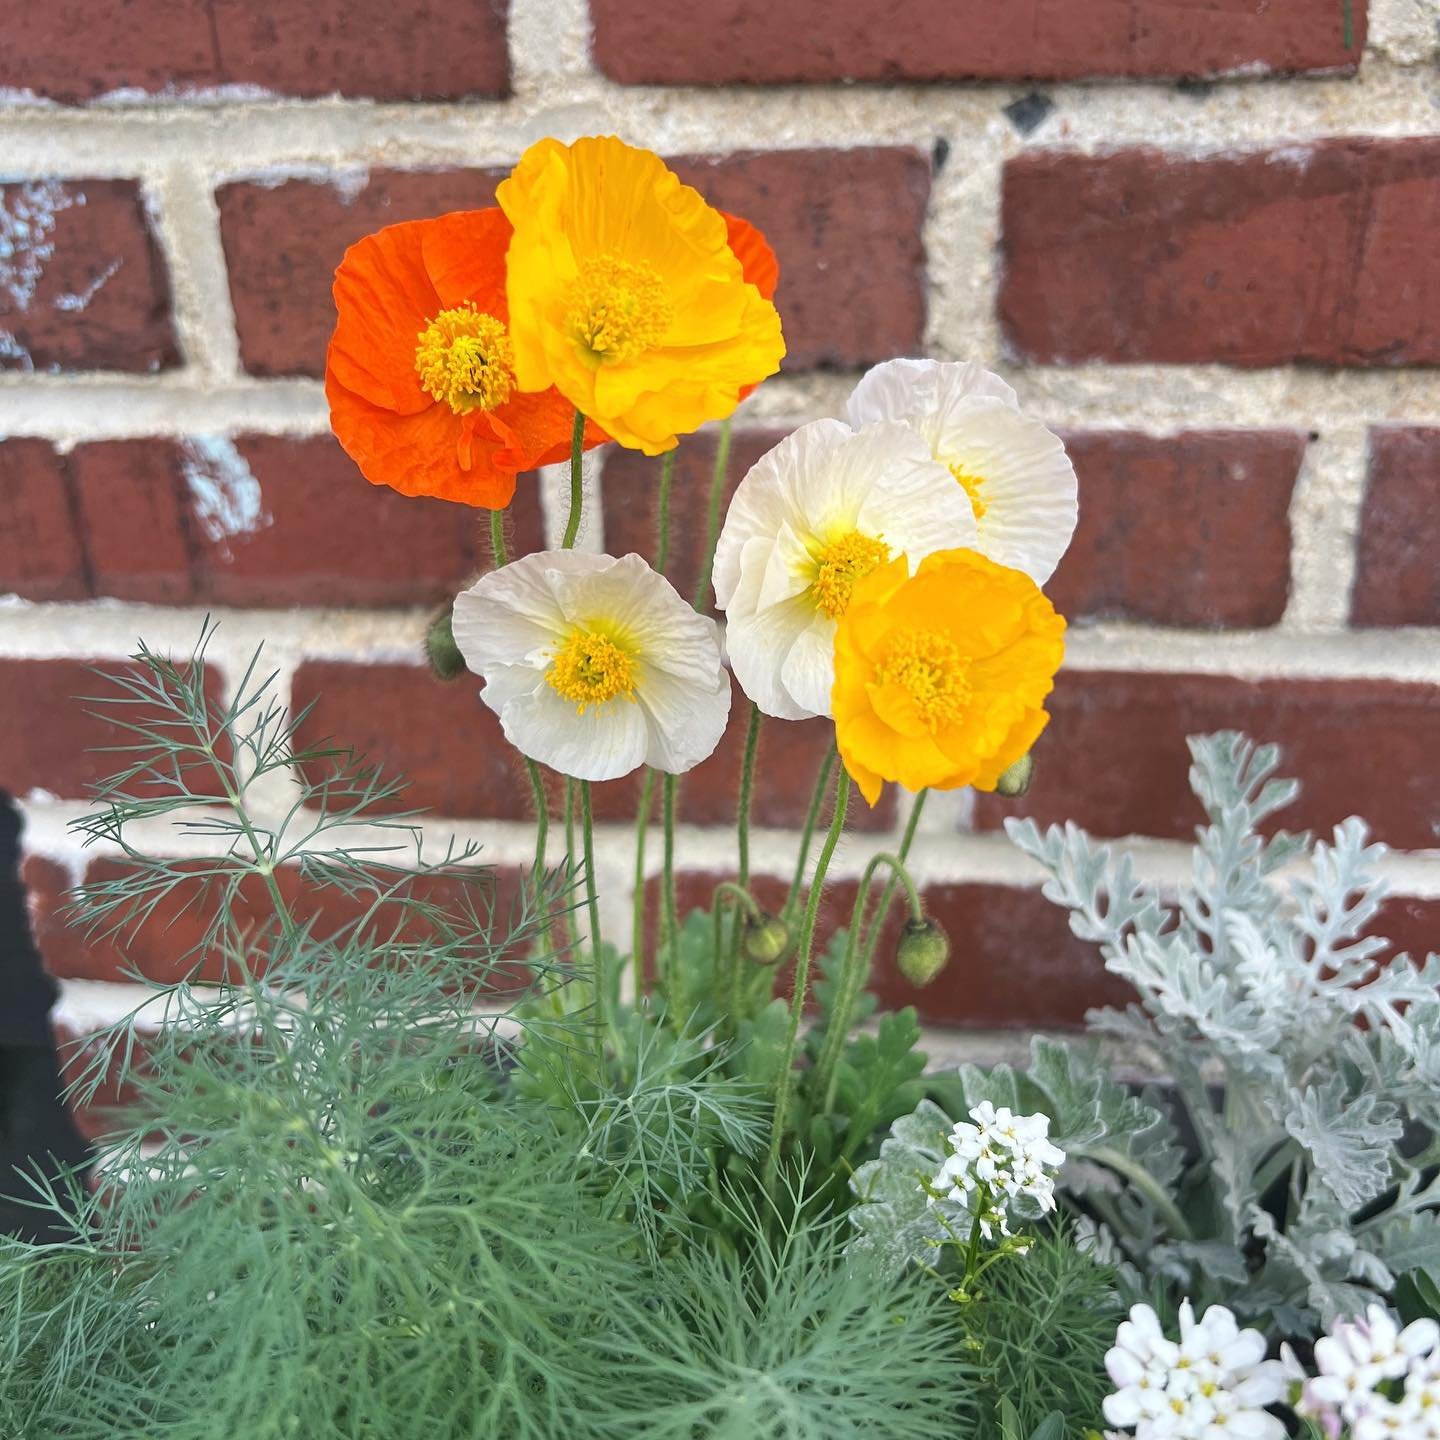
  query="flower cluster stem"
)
[
  {"x": 856, "y": 971},
  {"x": 802, "y": 981},
  {"x": 577, "y": 487}
]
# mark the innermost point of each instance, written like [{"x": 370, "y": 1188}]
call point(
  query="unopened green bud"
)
[
  {"x": 923, "y": 952},
  {"x": 1016, "y": 780},
  {"x": 441, "y": 650},
  {"x": 767, "y": 940}
]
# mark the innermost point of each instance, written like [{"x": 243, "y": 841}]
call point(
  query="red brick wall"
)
[{"x": 1198, "y": 237}]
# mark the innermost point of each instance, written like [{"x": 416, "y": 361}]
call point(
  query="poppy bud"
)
[
  {"x": 767, "y": 940},
  {"x": 923, "y": 952},
  {"x": 441, "y": 650},
  {"x": 1016, "y": 780}
]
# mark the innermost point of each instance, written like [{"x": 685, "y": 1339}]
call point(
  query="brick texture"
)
[
  {"x": 48, "y": 737},
  {"x": 40, "y": 553},
  {"x": 1322, "y": 252},
  {"x": 1191, "y": 529},
  {"x": 386, "y": 49},
  {"x": 748, "y": 42},
  {"x": 449, "y": 746},
  {"x": 1114, "y": 758},
  {"x": 82, "y": 283},
  {"x": 1397, "y": 579},
  {"x": 845, "y": 225},
  {"x": 145, "y": 526}
]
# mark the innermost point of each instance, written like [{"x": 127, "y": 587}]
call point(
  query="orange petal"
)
[
  {"x": 383, "y": 299},
  {"x": 464, "y": 253},
  {"x": 757, "y": 260}
]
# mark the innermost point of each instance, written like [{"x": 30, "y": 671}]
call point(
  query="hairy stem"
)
[
  {"x": 637, "y": 896},
  {"x": 662, "y": 511},
  {"x": 577, "y": 491},
  {"x": 877, "y": 920},
  {"x": 672, "y": 920},
  {"x": 807, "y": 831},
  {"x": 802, "y": 981},
  {"x": 497, "y": 539},
  {"x": 712, "y": 513},
  {"x": 592, "y": 898}
]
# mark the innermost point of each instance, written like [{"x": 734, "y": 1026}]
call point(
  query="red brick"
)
[
  {"x": 166, "y": 945},
  {"x": 1397, "y": 580},
  {"x": 1014, "y": 961},
  {"x": 1114, "y": 758},
  {"x": 415, "y": 49},
  {"x": 449, "y": 746},
  {"x": 40, "y": 553},
  {"x": 846, "y": 228},
  {"x": 1191, "y": 529},
  {"x": 747, "y": 42},
  {"x": 1411, "y": 925},
  {"x": 631, "y": 489},
  {"x": 845, "y": 225},
  {"x": 1319, "y": 252},
  {"x": 86, "y": 287},
  {"x": 48, "y": 737},
  {"x": 302, "y": 526}
]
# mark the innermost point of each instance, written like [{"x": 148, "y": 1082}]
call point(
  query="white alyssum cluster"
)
[
  {"x": 1213, "y": 1384},
  {"x": 994, "y": 1160},
  {"x": 1356, "y": 1358}
]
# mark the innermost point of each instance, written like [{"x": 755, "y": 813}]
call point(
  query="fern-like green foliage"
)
[
  {"x": 1302, "y": 1057},
  {"x": 375, "y": 1183}
]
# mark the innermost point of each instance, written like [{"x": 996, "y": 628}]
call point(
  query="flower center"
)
[
  {"x": 618, "y": 310},
  {"x": 464, "y": 359},
  {"x": 840, "y": 566},
  {"x": 973, "y": 485},
  {"x": 590, "y": 669},
  {"x": 929, "y": 668}
]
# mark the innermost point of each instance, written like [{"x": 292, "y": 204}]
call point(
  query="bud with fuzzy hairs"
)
[
  {"x": 923, "y": 951},
  {"x": 767, "y": 938},
  {"x": 441, "y": 651}
]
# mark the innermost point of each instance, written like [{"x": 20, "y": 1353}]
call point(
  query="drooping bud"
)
[
  {"x": 923, "y": 951},
  {"x": 1016, "y": 780},
  {"x": 767, "y": 940},
  {"x": 441, "y": 650}
]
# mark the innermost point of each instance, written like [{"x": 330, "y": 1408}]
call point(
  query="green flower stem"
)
[
  {"x": 877, "y": 921},
  {"x": 662, "y": 512},
  {"x": 802, "y": 980},
  {"x": 822, "y": 783},
  {"x": 497, "y": 539},
  {"x": 577, "y": 491},
  {"x": 747, "y": 790},
  {"x": 592, "y": 899},
  {"x": 712, "y": 514},
  {"x": 637, "y": 897},
  {"x": 672, "y": 919},
  {"x": 856, "y": 971},
  {"x": 1145, "y": 1182},
  {"x": 726, "y": 891}
]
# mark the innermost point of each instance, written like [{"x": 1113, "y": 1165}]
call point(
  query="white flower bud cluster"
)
[
  {"x": 1213, "y": 1384},
  {"x": 1356, "y": 1358},
  {"x": 996, "y": 1159}
]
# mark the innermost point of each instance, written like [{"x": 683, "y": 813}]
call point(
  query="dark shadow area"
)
[{"x": 36, "y": 1129}]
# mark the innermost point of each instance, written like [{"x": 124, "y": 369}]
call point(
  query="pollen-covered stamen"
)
[
  {"x": 589, "y": 669},
  {"x": 840, "y": 566},
  {"x": 928, "y": 666},
  {"x": 618, "y": 310},
  {"x": 464, "y": 358},
  {"x": 973, "y": 485}
]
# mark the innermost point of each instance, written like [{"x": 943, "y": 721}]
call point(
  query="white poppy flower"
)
[
  {"x": 1020, "y": 482},
  {"x": 816, "y": 514},
  {"x": 595, "y": 665}
]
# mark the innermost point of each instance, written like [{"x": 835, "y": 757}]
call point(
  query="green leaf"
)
[{"x": 762, "y": 1044}]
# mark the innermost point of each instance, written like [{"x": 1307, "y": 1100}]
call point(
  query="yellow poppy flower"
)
[
  {"x": 625, "y": 295},
  {"x": 941, "y": 678}
]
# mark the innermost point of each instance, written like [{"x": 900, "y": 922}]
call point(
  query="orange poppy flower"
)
[
  {"x": 757, "y": 262},
  {"x": 420, "y": 372}
]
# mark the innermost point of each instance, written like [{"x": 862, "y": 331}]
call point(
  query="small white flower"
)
[
  {"x": 1020, "y": 482},
  {"x": 595, "y": 665},
  {"x": 814, "y": 516},
  {"x": 1355, "y": 1357},
  {"x": 1214, "y": 1384},
  {"x": 995, "y": 1158}
]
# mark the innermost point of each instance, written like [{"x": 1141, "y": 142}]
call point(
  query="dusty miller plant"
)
[{"x": 1305, "y": 1064}]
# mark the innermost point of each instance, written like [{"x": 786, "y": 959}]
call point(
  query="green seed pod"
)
[
  {"x": 767, "y": 940},
  {"x": 923, "y": 952},
  {"x": 1016, "y": 780},
  {"x": 441, "y": 650}
]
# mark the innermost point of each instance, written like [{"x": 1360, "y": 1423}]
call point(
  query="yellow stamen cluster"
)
[
  {"x": 589, "y": 669},
  {"x": 973, "y": 486},
  {"x": 464, "y": 359},
  {"x": 618, "y": 310},
  {"x": 840, "y": 566},
  {"x": 928, "y": 666}
]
